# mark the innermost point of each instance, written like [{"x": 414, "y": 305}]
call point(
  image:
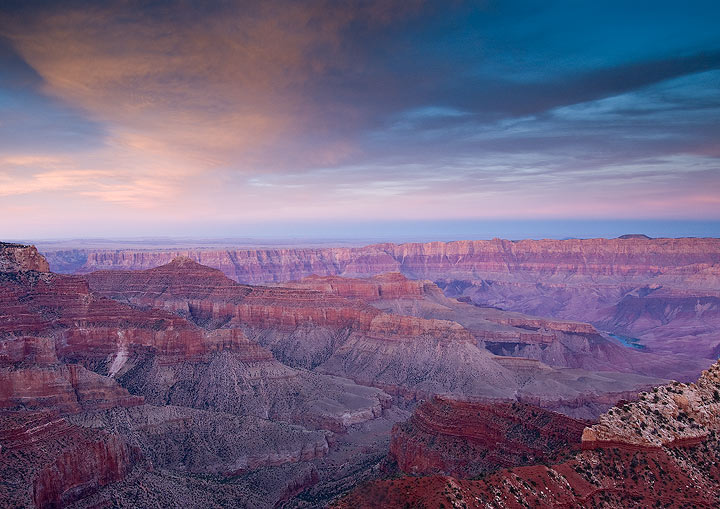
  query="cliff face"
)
[
  {"x": 33, "y": 303},
  {"x": 468, "y": 438},
  {"x": 387, "y": 286},
  {"x": 31, "y": 377},
  {"x": 661, "y": 450},
  {"x": 434, "y": 260}
]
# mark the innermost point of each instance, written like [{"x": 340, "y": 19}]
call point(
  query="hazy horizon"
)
[{"x": 360, "y": 233}]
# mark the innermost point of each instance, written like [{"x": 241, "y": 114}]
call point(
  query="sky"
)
[{"x": 326, "y": 118}]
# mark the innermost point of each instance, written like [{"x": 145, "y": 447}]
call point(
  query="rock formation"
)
[
  {"x": 77, "y": 371},
  {"x": 177, "y": 383},
  {"x": 469, "y": 438},
  {"x": 18, "y": 257},
  {"x": 48, "y": 462},
  {"x": 658, "y": 451},
  {"x": 596, "y": 258}
]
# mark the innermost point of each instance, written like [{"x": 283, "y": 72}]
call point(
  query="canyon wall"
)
[
  {"x": 589, "y": 280},
  {"x": 630, "y": 258},
  {"x": 338, "y": 326}
]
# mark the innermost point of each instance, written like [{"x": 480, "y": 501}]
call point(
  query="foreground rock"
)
[
  {"x": 659, "y": 451},
  {"x": 469, "y": 438}
]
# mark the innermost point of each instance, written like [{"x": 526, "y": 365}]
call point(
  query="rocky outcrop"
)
[
  {"x": 659, "y": 451},
  {"x": 19, "y": 257},
  {"x": 668, "y": 415},
  {"x": 469, "y": 438}
]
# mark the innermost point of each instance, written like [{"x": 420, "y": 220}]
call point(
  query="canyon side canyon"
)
[{"x": 459, "y": 374}]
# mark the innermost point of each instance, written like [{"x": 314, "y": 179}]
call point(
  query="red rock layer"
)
[
  {"x": 31, "y": 377},
  {"x": 384, "y": 286},
  {"x": 46, "y": 462},
  {"x": 84, "y": 325},
  {"x": 407, "y": 356},
  {"x": 466, "y": 438},
  {"x": 673, "y": 478},
  {"x": 567, "y": 279},
  {"x": 189, "y": 288}
]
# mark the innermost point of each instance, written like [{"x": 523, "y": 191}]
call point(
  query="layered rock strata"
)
[
  {"x": 468, "y": 438},
  {"x": 573, "y": 279},
  {"x": 47, "y": 462}
]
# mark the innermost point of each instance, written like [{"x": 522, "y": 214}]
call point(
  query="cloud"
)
[
  {"x": 225, "y": 79},
  {"x": 277, "y": 110}
]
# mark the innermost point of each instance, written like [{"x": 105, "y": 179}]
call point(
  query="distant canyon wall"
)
[
  {"x": 464, "y": 260},
  {"x": 663, "y": 292}
]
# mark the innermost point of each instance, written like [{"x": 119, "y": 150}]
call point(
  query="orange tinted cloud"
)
[{"x": 218, "y": 85}]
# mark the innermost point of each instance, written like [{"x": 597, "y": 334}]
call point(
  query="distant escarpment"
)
[
  {"x": 582, "y": 280},
  {"x": 434, "y": 260},
  {"x": 658, "y": 451}
]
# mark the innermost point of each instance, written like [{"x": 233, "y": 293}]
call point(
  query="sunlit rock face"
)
[{"x": 19, "y": 257}]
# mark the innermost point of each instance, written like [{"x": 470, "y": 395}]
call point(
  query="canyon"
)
[
  {"x": 363, "y": 329},
  {"x": 662, "y": 293},
  {"x": 289, "y": 377}
]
